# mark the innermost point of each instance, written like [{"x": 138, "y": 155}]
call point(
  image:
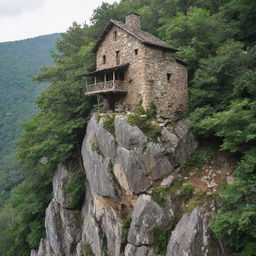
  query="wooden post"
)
[
  {"x": 114, "y": 78},
  {"x": 95, "y": 80}
]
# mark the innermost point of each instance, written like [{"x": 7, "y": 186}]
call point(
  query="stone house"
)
[{"x": 136, "y": 68}]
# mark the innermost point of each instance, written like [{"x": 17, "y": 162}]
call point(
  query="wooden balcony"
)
[{"x": 113, "y": 86}]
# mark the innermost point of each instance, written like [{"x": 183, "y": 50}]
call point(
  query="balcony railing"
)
[{"x": 113, "y": 86}]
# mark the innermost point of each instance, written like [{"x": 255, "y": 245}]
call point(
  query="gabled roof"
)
[{"x": 145, "y": 37}]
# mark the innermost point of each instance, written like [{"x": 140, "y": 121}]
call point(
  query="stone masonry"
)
[{"x": 154, "y": 75}]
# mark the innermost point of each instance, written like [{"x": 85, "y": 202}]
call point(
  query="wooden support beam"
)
[{"x": 114, "y": 78}]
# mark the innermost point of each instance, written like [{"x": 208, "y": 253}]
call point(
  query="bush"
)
[
  {"x": 87, "y": 250},
  {"x": 187, "y": 191},
  {"x": 125, "y": 224},
  {"x": 159, "y": 195},
  {"x": 75, "y": 189},
  {"x": 109, "y": 123},
  {"x": 200, "y": 157},
  {"x": 162, "y": 236},
  {"x": 145, "y": 121}
]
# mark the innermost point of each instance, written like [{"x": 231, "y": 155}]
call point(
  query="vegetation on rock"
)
[
  {"x": 109, "y": 124},
  {"x": 217, "y": 39},
  {"x": 75, "y": 188},
  {"x": 145, "y": 120}
]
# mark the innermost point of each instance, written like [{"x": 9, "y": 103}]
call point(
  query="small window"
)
[
  {"x": 104, "y": 59},
  {"x": 117, "y": 58},
  {"x": 136, "y": 52},
  {"x": 115, "y": 35},
  {"x": 169, "y": 77}
]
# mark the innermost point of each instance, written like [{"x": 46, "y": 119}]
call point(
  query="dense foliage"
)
[
  {"x": 216, "y": 38},
  {"x": 19, "y": 61}
]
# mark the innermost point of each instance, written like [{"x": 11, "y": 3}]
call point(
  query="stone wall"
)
[
  {"x": 170, "y": 97},
  {"x": 135, "y": 75},
  {"x": 146, "y": 77}
]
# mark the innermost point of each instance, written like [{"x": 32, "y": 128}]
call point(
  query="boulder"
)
[
  {"x": 156, "y": 161},
  {"x": 146, "y": 216},
  {"x": 129, "y": 172},
  {"x": 127, "y": 136},
  {"x": 191, "y": 237}
]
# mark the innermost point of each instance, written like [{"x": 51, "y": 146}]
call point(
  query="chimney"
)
[{"x": 132, "y": 20}]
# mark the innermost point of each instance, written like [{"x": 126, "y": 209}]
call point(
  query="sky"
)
[{"x": 21, "y": 19}]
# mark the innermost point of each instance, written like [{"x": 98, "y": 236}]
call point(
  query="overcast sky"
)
[{"x": 20, "y": 19}]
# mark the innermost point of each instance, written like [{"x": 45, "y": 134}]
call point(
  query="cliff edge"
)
[{"x": 135, "y": 201}]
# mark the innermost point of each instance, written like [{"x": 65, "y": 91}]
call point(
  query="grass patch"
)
[
  {"x": 98, "y": 116},
  {"x": 162, "y": 236},
  {"x": 200, "y": 157},
  {"x": 201, "y": 199},
  {"x": 109, "y": 123},
  {"x": 95, "y": 145},
  {"x": 125, "y": 225},
  {"x": 160, "y": 194},
  {"x": 87, "y": 250},
  {"x": 145, "y": 120},
  {"x": 187, "y": 192},
  {"x": 75, "y": 189}
]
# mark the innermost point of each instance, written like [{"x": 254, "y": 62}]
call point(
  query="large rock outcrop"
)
[
  {"x": 192, "y": 237},
  {"x": 119, "y": 214}
]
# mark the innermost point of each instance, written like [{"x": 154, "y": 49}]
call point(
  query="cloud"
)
[{"x": 15, "y": 7}]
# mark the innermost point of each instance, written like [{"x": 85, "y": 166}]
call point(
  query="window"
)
[
  {"x": 136, "y": 51},
  {"x": 117, "y": 57},
  {"x": 104, "y": 59},
  {"x": 169, "y": 77},
  {"x": 115, "y": 35}
]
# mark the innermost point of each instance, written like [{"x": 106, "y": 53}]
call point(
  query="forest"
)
[
  {"x": 217, "y": 40},
  {"x": 19, "y": 61}
]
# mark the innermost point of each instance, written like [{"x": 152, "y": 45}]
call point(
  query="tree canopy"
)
[{"x": 216, "y": 38}]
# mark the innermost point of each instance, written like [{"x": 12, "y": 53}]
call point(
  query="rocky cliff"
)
[{"x": 135, "y": 204}]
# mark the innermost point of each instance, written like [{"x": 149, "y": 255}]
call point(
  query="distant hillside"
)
[{"x": 19, "y": 61}]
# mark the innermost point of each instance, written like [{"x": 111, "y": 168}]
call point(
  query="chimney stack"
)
[{"x": 132, "y": 20}]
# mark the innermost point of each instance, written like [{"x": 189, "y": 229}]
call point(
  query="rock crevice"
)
[{"x": 119, "y": 215}]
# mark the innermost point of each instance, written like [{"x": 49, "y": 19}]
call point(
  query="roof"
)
[
  {"x": 145, "y": 37},
  {"x": 120, "y": 67},
  {"x": 182, "y": 62}
]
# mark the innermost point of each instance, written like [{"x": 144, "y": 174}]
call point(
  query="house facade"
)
[{"x": 136, "y": 68}]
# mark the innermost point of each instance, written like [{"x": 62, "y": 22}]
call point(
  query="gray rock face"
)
[
  {"x": 44, "y": 248},
  {"x": 156, "y": 161},
  {"x": 146, "y": 216},
  {"x": 191, "y": 237},
  {"x": 127, "y": 136},
  {"x": 107, "y": 144},
  {"x": 60, "y": 178},
  {"x": 132, "y": 250},
  {"x": 129, "y": 172},
  {"x": 179, "y": 141},
  {"x": 62, "y": 229},
  {"x": 91, "y": 231},
  {"x": 98, "y": 168},
  {"x": 112, "y": 228},
  {"x": 121, "y": 170}
]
